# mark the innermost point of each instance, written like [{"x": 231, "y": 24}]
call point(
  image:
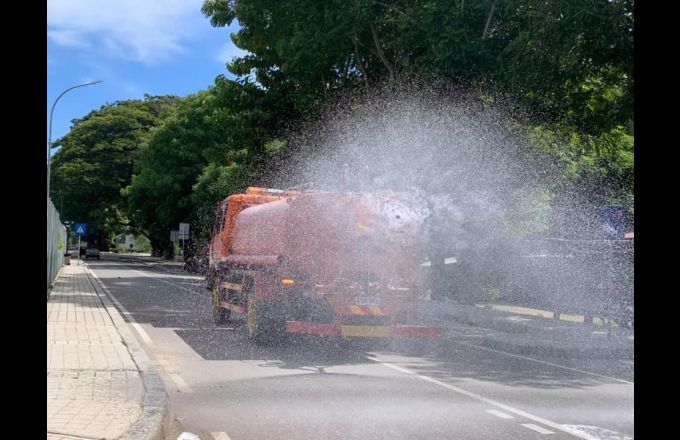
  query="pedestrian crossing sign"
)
[{"x": 80, "y": 229}]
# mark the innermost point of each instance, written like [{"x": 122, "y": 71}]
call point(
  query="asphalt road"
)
[{"x": 221, "y": 386}]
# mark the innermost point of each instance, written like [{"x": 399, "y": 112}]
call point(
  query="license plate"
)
[{"x": 367, "y": 300}]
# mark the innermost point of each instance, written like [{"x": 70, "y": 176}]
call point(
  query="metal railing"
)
[
  {"x": 593, "y": 277},
  {"x": 56, "y": 243}
]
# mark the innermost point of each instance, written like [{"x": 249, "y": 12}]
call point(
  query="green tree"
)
[
  {"x": 96, "y": 161},
  {"x": 593, "y": 170},
  {"x": 169, "y": 162},
  {"x": 229, "y": 125},
  {"x": 572, "y": 60}
]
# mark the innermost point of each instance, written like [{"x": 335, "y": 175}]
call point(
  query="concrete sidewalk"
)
[
  {"x": 528, "y": 331},
  {"x": 100, "y": 383}
]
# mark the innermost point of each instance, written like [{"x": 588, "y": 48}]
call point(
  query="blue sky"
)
[{"x": 157, "y": 47}]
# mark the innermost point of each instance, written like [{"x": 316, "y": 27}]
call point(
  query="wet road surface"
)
[{"x": 222, "y": 386}]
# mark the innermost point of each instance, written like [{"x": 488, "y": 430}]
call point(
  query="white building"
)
[{"x": 127, "y": 242}]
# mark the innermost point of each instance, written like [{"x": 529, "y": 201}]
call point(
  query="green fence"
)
[{"x": 56, "y": 243}]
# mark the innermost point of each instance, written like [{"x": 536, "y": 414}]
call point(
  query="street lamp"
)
[{"x": 49, "y": 141}]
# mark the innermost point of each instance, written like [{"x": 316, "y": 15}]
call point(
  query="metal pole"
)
[
  {"x": 49, "y": 152},
  {"x": 79, "y": 250},
  {"x": 49, "y": 140}
]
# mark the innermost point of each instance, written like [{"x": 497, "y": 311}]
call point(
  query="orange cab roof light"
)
[{"x": 254, "y": 190}]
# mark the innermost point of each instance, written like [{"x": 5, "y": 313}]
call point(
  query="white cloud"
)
[
  {"x": 147, "y": 31},
  {"x": 67, "y": 38}
]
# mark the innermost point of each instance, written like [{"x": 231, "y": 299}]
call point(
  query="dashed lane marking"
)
[
  {"x": 220, "y": 435},
  {"x": 502, "y": 406},
  {"x": 500, "y": 414},
  {"x": 537, "y": 428}
]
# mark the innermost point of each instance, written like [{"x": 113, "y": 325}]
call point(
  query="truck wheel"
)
[
  {"x": 220, "y": 315},
  {"x": 263, "y": 323}
]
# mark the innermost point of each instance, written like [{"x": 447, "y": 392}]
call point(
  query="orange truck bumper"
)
[{"x": 363, "y": 331}]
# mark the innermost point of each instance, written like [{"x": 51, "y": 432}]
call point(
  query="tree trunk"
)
[{"x": 380, "y": 52}]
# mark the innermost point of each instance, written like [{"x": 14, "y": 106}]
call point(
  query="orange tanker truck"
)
[{"x": 316, "y": 262}]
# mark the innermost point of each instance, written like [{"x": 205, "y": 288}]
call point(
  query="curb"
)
[
  {"x": 530, "y": 337},
  {"x": 577, "y": 352},
  {"x": 149, "y": 425}
]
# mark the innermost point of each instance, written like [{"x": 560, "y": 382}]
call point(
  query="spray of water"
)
[{"x": 457, "y": 170}]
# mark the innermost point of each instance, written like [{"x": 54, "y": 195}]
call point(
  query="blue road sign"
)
[{"x": 80, "y": 229}]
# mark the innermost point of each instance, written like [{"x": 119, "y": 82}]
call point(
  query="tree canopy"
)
[
  {"x": 96, "y": 160},
  {"x": 152, "y": 163}
]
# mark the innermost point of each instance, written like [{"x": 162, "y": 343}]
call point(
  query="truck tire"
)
[
  {"x": 263, "y": 323},
  {"x": 220, "y": 315}
]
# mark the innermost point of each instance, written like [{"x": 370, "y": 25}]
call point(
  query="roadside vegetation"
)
[{"x": 144, "y": 166}]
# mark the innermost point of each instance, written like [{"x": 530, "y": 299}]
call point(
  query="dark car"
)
[{"x": 92, "y": 252}]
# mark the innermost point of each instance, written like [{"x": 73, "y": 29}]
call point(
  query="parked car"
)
[{"x": 92, "y": 252}]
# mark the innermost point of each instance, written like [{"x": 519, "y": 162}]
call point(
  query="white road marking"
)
[
  {"x": 502, "y": 415},
  {"x": 601, "y": 433},
  {"x": 193, "y": 292},
  {"x": 542, "y": 362},
  {"x": 123, "y": 310},
  {"x": 181, "y": 385},
  {"x": 502, "y": 406},
  {"x": 142, "y": 333},
  {"x": 537, "y": 428}
]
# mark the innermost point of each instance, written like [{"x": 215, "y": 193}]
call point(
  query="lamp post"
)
[
  {"x": 49, "y": 141},
  {"x": 50, "y": 239}
]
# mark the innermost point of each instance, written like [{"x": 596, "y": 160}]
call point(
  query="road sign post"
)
[
  {"x": 183, "y": 234},
  {"x": 80, "y": 230},
  {"x": 174, "y": 238}
]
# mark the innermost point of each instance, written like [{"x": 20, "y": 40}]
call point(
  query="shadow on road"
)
[{"x": 157, "y": 301}]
